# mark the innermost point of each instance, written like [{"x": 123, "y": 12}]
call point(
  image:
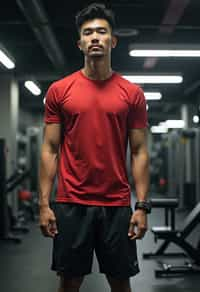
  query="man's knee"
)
[
  {"x": 72, "y": 284},
  {"x": 119, "y": 284}
]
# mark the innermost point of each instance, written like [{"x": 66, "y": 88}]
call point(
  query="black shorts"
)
[{"x": 83, "y": 229}]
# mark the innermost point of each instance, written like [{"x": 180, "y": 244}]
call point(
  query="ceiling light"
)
[
  {"x": 164, "y": 50},
  {"x": 141, "y": 79},
  {"x": 152, "y": 95},
  {"x": 32, "y": 87},
  {"x": 6, "y": 61},
  {"x": 164, "y": 53},
  {"x": 159, "y": 129},
  {"x": 173, "y": 124},
  {"x": 196, "y": 119}
]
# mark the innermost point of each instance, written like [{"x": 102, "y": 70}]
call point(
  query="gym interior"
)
[{"x": 159, "y": 49}]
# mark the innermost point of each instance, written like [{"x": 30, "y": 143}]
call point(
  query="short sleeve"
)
[
  {"x": 137, "y": 116},
  {"x": 52, "y": 111}
]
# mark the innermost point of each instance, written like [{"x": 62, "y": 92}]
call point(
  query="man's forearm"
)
[
  {"x": 140, "y": 173},
  {"x": 47, "y": 172}
]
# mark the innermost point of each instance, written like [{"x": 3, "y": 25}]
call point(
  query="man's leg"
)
[
  {"x": 70, "y": 285},
  {"x": 118, "y": 285},
  {"x": 116, "y": 253},
  {"x": 73, "y": 250}
]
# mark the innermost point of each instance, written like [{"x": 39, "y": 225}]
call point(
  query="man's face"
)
[{"x": 96, "y": 39}]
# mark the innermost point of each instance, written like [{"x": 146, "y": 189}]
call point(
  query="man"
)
[{"x": 89, "y": 117}]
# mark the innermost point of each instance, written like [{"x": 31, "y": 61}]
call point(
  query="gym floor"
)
[{"x": 25, "y": 267}]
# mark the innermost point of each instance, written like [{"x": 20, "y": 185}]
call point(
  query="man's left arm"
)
[{"x": 140, "y": 174}]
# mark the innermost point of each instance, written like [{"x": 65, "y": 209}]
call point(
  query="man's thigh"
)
[
  {"x": 116, "y": 253},
  {"x": 74, "y": 244}
]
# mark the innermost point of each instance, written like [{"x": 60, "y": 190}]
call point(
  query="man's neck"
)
[{"x": 97, "y": 70}]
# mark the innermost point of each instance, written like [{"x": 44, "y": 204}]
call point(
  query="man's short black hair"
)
[{"x": 95, "y": 10}]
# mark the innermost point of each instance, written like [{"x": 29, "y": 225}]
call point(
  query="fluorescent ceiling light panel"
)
[
  {"x": 141, "y": 79},
  {"x": 152, "y": 95},
  {"x": 32, "y": 87},
  {"x": 6, "y": 61},
  {"x": 173, "y": 124},
  {"x": 164, "y": 53},
  {"x": 159, "y": 129}
]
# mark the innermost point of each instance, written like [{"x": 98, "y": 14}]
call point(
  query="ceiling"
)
[{"x": 41, "y": 37}]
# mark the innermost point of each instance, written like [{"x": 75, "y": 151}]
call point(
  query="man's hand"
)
[
  {"x": 138, "y": 225},
  {"x": 48, "y": 222}
]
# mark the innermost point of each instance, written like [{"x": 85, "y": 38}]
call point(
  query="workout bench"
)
[
  {"x": 169, "y": 204},
  {"x": 178, "y": 237}
]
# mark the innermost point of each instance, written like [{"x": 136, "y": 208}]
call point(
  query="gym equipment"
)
[
  {"x": 29, "y": 146},
  {"x": 184, "y": 166},
  {"x": 6, "y": 186},
  {"x": 158, "y": 165},
  {"x": 28, "y": 205},
  {"x": 4, "y": 219},
  {"x": 16, "y": 179},
  {"x": 178, "y": 237},
  {"x": 169, "y": 204},
  {"x": 169, "y": 270}
]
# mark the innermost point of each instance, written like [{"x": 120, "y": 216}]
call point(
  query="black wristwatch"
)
[{"x": 145, "y": 205}]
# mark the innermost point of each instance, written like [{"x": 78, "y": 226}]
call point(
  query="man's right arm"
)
[{"x": 47, "y": 172}]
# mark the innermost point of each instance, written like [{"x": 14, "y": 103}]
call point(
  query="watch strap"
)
[{"x": 145, "y": 205}]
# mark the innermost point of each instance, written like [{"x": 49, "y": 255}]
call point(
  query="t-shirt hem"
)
[{"x": 93, "y": 203}]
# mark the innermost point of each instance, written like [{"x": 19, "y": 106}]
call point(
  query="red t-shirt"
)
[{"x": 95, "y": 117}]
